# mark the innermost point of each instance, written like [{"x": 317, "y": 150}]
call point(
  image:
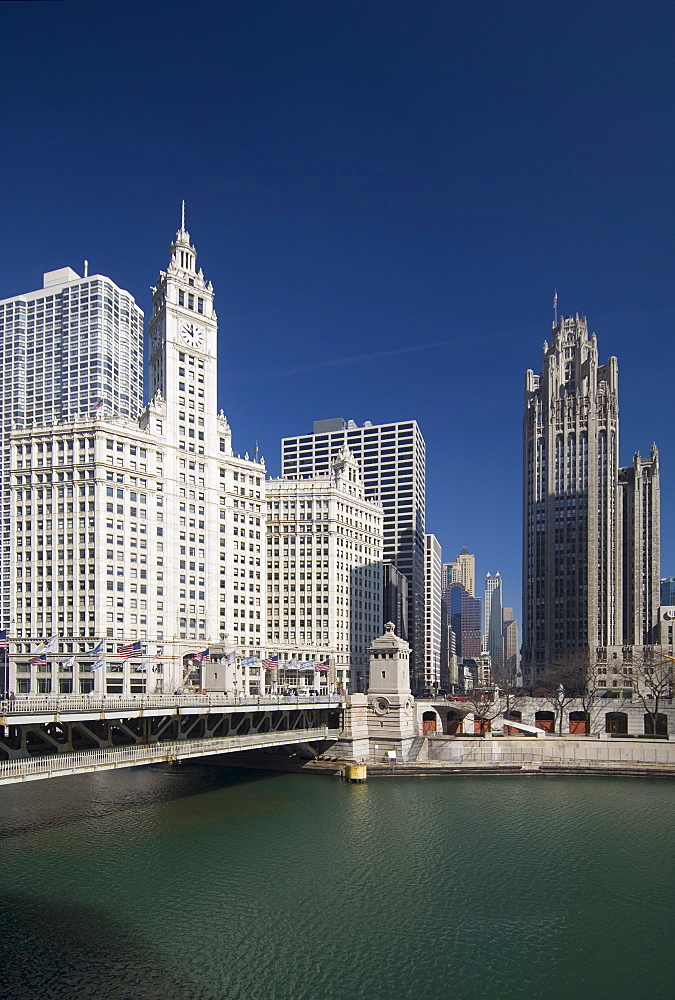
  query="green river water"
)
[{"x": 200, "y": 883}]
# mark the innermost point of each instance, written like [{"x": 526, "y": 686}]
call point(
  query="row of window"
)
[{"x": 191, "y": 301}]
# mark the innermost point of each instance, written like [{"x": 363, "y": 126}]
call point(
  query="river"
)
[{"x": 195, "y": 882}]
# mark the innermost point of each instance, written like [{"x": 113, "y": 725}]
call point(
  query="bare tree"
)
[
  {"x": 486, "y": 704},
  {"x": 565, "y": 682},
  {"x": 653, "y": 678}
]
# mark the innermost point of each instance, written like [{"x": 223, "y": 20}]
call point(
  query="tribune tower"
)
[
  {"x": 590, "y": 528},
  {"x": 571, "y": 527}
]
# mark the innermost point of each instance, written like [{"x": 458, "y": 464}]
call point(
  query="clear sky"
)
[{"x": 385, "y": 195}]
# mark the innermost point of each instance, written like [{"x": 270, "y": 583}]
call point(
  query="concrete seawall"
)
[{"x": 521, "y": 755}]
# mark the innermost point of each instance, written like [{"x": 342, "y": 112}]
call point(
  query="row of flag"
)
[
  {"x": 41, "y": 660},
  {"x": 269, "y": 663},
  {"x": 51, "y": 645},
  {"x": 294, "y": 664},
  {"x": 129, "y": 651},
  {"x": 134, "y": 650}
]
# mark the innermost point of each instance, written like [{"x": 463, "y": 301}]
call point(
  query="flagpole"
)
[
  {"x": 5, "y": 664},
  {"x": 555, "y": 306}
]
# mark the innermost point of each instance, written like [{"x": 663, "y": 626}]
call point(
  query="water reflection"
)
[{"x": 66, "y": 951}]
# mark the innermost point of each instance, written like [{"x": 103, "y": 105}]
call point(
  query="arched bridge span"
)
[{"x": 47, "y": 737}]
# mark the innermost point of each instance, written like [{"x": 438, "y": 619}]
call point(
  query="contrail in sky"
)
[
  {"x": 354, "y": 359},
  {"x": 531, "y": 331}
]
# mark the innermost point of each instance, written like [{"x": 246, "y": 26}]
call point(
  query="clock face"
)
[
  {"x": 156, "y": 336},
  {"x": 192, "y": 335}
]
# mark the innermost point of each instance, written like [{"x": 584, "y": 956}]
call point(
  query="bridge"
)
[{"x": 43, "y": 737}]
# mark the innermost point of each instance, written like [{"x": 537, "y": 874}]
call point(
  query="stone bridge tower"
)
[{"x": 390, "y": 702}]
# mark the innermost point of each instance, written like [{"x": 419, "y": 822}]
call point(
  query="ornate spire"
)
[
  {"x": 182, "y": 236},
  {"x": 181, "y": 252}
]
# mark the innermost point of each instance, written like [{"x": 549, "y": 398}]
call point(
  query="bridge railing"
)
[
  {"x": 83, "y": 760},
  {"x": 85, "y": 703}
]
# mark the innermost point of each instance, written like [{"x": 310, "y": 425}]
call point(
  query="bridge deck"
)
[
  {"x": 70, "y": 708},
  {"x": 83, "y": 761}
]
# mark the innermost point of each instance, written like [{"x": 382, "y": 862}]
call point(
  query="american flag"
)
[
  {"x": 3, "y": 638},
  {"x": 323, "y": 668},
  {"x": 202, "y": 657},
  {"x": 37, "y": 660},
  {"x": 272, "y": 661},
  {"x": 131, "y": 651}
]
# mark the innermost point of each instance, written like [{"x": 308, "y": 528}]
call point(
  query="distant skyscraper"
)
[
  {"x": 465, "y": 571},
  {"x": 462, "y": 570},
  {"x": 72, "y": 348},
  {"x": 432, "y": 603},
  {"x": 510, "y": 637},
  {"x": 493, "y": 642},
  {"x": 573, "y": 570},
  {"x": 448, "y": 649},
  {"x": 465, "y": 620},
  {"x": 391, "y": 458},
  {"x": 668, "y": 591}
]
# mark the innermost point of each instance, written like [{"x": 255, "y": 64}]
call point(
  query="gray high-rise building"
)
[
  {"x": 433, "y": 617},
  {"x": 640, "y": 512},
  {"x": 392, "y": 460},
  {"x": 510, "y": 635},
  {"x": 493, "y": 642},
  {"x": 395, "y": 600},
  {"x": 578, "y": 517}
]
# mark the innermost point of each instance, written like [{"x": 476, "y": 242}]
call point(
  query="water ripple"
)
[{"x": 197, "y": 882}]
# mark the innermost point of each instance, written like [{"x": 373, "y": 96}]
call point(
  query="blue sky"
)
[{"x": 384, "y": 194}]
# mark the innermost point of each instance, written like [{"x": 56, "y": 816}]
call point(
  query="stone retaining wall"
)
[{"x": 550, "y": 750}]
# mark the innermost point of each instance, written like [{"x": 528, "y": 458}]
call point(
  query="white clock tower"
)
[{"x": 183, "y": 338}]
